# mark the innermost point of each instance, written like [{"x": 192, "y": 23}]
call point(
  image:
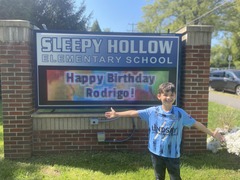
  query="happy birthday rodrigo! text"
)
[{"x": 111, "y": 78}]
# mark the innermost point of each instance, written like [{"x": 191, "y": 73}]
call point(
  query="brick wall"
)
[
  {"x": 22, "y": 140},
  {"x": 195, "y": 94},
  {"x": 74, "y": 132},
  {"x": 86, "y": 140},
  {"x": 195, "y": 82},
  {"x": 17, "y": 96}
]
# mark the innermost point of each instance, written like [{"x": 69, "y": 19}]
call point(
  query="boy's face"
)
[{"x": 167, "y": 98}]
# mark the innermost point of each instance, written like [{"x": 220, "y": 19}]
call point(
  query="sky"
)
[{"x": 117, "y": 15}]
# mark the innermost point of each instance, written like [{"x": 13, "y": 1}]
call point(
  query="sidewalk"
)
[{"x": 227, "y": 99}]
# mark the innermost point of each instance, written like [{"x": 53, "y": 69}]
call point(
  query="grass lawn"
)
[
  {"x": 220, "y": 116},
  {"x": 124, "y": 165},
  {"x": 1, "y": 132}
]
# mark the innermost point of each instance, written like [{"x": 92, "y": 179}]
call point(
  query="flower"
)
[
  {"x": 232, "y": 143},
  {"x": 213, "y": 145}
]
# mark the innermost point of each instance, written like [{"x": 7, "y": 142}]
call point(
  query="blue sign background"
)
[{"x": 60, "y": 49}]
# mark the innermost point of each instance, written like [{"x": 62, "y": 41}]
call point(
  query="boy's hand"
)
[
  {"x": 218, "y": 136},
  {"x": 110, "y": 114}
]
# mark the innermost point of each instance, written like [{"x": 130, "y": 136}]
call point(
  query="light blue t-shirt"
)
[{"x": 165, "y": 129}]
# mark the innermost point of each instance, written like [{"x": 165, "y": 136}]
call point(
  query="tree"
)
[
  {"x": 224, "y": 15},
  {"x": 230, "y": 25},
  {"x": 171, "y": 14},
  {"x": 106, "y": 30},
  {"x": 55, "y": 14},
  {"x": 95, "y": 27},
  {"x": 16, "y": 9},
  {"x": 60, "y": 14},
  {"x": 219, "y": 56}
]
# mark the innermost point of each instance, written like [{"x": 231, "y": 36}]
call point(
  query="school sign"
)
[
  {"x": 100, "y": 69},
  {"x": 84, "y": 71}
]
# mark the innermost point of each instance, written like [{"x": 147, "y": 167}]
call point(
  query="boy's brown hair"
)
[{"x": 166, "y": 87}]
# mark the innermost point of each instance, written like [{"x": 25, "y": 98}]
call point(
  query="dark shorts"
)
[{"x": 160, "y": 164}]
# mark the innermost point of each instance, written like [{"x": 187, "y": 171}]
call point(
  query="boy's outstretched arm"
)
[
  {"x": 114, "y": 114},
  {"x": 214, "y": 134}
]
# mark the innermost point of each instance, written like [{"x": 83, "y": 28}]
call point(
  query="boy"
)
[{"x": 165, "y": 124}]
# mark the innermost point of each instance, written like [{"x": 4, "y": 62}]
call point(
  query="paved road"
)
[{"x": 227, "y": 99}]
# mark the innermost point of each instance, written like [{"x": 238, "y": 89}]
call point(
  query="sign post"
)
[{"x": 229, "y": 61}]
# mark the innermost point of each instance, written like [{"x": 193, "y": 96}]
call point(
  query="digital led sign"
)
[{"x": 86, "y": 70}]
